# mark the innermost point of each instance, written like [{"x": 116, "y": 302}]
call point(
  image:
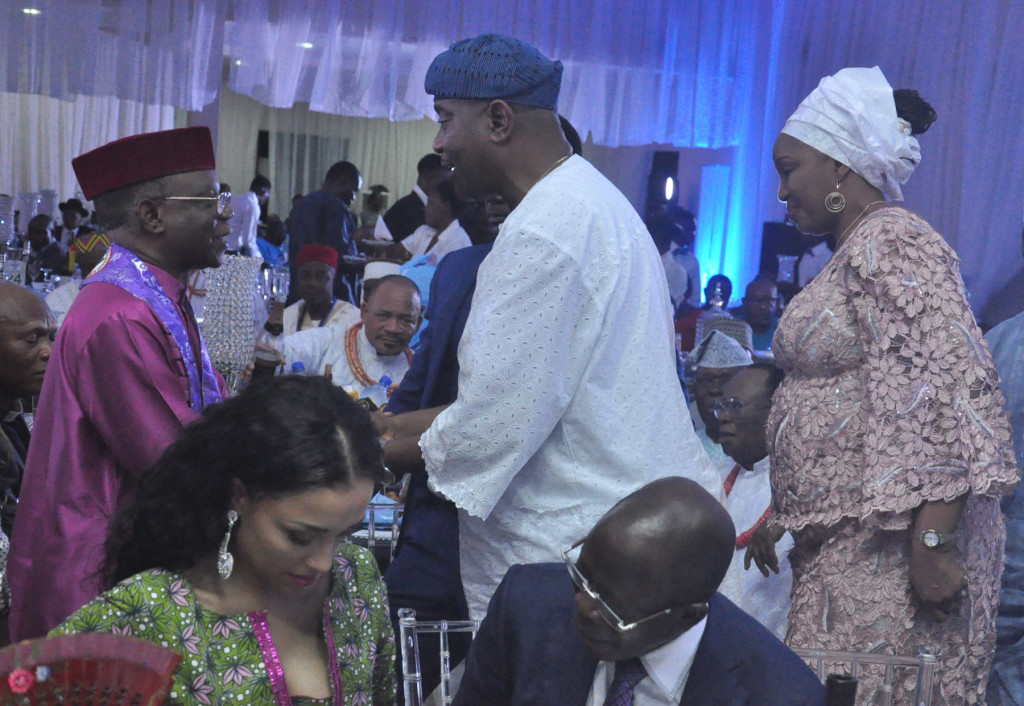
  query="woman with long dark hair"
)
[
  {"x": 231, "y": 551},
  {"x": 889, "y": 444}
]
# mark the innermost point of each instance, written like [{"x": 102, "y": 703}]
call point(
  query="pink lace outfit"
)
[{"x": 890, "y": 399}]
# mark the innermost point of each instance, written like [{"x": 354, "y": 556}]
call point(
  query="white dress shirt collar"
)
[
  {"x": 420, "y": 192},
  {"x": 669, "y": 665},
  {"x": 668, "y": 668},
  {"x": 12, "y": 414}
]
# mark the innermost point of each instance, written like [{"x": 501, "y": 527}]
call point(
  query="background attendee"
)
[
  {"x": 715, "y": 360},
  {"x": 441, "y": 232},
  {"x": 409, "y": 212},
  {"x": 323, "y": 218},
  {"x": 891, "y": 488},
  {"x": 72, "y": 216},
  {"x": 27, "y": 330},
  {"x": 318, "y": 307},
  {"x": 244, "y": 223},
  {"x": 88, "y": 249},
  {"x": 45, "y": 255},
  {"x": 376, "y": 344},
  {"x": 233, "y": 548},
  {"x": 742, "y": 413},
  {"x": 664, "y": 231},
  {"x": 643, "y": 623},
  {"x": 719, "y": 289},
  {"x": 554, "y": 323},
  {"x": 373, "y": 207},
  {"x": 682, "y": 251},
  {"x": 271, "y": 242},
  {"x": 129, "y": 370},
  {"x": 758, "y": 310}
]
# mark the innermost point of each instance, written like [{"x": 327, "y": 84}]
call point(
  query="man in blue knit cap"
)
[{"x": 569, "y": 331}]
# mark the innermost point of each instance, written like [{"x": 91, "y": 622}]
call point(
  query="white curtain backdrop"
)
[
  {"x": 635, "y": 73},
  {"x": 158, "y": 52},
  {"x": 39, "y": 136},
  {"x": 705, "y": 74},
  {"x": 304, "y": 143}
]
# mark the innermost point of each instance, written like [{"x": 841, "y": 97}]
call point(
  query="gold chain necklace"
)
[
  {"x": 556, "y": 165},
  {"x": 842, "y": 238}
]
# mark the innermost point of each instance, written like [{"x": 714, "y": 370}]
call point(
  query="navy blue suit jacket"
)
[
  {"x": 425, "y": 572},
  {"x": 528, "y": 651}
]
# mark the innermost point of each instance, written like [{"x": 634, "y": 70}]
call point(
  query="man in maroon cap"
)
[
  {"x": 316, "y": 267},
  {"x": 129, "y": 371}
]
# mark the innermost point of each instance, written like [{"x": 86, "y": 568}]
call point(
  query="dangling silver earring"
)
[
  {"x": 226, "y": 562},
  {"x": 835, "y": 202}
]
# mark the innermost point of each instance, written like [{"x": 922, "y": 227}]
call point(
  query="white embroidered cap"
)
[
  {"x": 719, "y": 350},
  {"x": 851, "y": 117}
]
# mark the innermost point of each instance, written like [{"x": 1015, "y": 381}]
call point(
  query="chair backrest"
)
[
  {"x": 380, "y": 535},
  {"x": 924, "y": 663},
  {"x": 410, "y": 629},
  {"x": 383, "y": 526}
]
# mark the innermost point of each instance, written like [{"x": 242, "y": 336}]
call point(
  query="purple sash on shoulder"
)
[{"x": 121, "y": 268}]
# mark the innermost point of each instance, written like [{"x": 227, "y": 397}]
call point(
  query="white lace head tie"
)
[
  {"x": 851, "y": 117},
  {"x": 719, "y": 350}
]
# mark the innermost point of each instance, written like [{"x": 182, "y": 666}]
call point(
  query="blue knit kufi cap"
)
[{"x": 493, "y": 66}]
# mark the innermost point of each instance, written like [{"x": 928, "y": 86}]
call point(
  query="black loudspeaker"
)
[
  {"x": 778, "y": 239},
  {"x": 664, "y": 167}
]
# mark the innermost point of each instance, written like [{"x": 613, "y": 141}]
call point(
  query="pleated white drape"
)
[
  {"x": 40, "y": 135},
  {"x": 704, "y": 74}
]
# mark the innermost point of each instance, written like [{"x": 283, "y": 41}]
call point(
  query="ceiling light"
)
[
  {"x": 238, "y": 62},
  {"x": 32, "y": 11},
  {"x": 305, "y": 45}
]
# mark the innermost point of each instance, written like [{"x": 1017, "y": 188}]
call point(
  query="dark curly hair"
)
[
  {"x": 914, "y": 109},
  {"x": 283, "y": 435}
]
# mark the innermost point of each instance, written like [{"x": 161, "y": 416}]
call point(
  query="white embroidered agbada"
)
[
  {"x": 568, "y": 395},
  {"x": 764, "y": 599},
  {"x": 316, "y": 347}
]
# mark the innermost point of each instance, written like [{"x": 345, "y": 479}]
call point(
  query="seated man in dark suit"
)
[{"x": 643, "y": 623}]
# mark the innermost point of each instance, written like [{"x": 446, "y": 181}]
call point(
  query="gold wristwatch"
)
[{"x": 933, "y": 538}]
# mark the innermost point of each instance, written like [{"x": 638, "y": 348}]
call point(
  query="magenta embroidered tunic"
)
[{"x": 116, "y": 394}]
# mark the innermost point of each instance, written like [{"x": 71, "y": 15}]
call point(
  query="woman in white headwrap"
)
[{"x": 889, "y": 445}]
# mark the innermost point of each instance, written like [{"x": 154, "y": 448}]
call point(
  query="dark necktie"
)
[{"x": 628, "y": 673}]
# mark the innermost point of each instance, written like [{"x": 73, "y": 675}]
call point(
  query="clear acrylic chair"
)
[
  {"x": 410, "y": 629},
  {"x": 925, "y": 663},
  {"x": 385, "y": 522}
]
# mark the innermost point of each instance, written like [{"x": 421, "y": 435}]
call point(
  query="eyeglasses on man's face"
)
[
  {"x": 734, "y": 407},
  {"x": 606, "y": 612},
  {"x": 223, "y": 200}
]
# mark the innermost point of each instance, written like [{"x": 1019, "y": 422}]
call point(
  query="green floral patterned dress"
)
[{"x": 232, "y": 659}]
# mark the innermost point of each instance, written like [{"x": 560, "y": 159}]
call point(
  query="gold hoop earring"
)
[{"x": 835, "y": 202}]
